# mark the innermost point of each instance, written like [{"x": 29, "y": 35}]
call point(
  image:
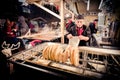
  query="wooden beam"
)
[
  {"x": 62, "y": 21},
  {"x": 88, "y": 5},
  {"x": 100, "y": 4},
  {"x": 100, "y": 51},
  {"x": 47, "y": 10}
]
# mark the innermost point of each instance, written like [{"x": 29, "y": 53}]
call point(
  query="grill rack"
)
[{"x": 93, "y": 63}]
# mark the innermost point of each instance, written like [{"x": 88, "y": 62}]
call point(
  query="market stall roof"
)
[
  {"x": 82, "y": 5},
  {"x": 37, "y": 12},
  {"x": 77, "y": 6},
  {"x": 70, "y": 6}
]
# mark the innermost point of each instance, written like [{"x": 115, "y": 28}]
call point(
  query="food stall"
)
[
  {"x": 60, "y": 61},
  {"x": 55, "y": 60}
]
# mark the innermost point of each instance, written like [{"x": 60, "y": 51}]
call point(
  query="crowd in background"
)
[{"x": 10, "y": 29}]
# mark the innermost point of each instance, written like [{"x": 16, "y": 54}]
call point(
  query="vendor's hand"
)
[
  {"x": 69, "y": 36},
  {"x": 81, "y": 37},
  {"x": 9, "y": 32}
]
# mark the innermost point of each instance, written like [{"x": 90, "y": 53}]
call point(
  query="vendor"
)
[{"x": 79, "y": 29}]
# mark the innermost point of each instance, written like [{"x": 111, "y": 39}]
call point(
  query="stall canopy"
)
[
  {"x": 48, "y": 9},
  {"x": 38, "y": 13},
  {"x": 9, "y": 7}
]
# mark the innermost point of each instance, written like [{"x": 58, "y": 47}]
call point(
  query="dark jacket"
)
[
  {"x": 72, "y": 29},
  {"x": 92, "y": 28}
]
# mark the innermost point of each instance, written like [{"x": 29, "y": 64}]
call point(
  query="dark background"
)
[{"x": 9, "y": 8}]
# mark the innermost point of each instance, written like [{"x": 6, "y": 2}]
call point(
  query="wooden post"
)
[
  {"x": 88, "y": 5},
  {"x": 62, "y": 21}
]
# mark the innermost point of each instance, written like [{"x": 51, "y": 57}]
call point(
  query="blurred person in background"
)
[
  {"x": 93, "y": 26},
  {"x": 23, "y": 26}
]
